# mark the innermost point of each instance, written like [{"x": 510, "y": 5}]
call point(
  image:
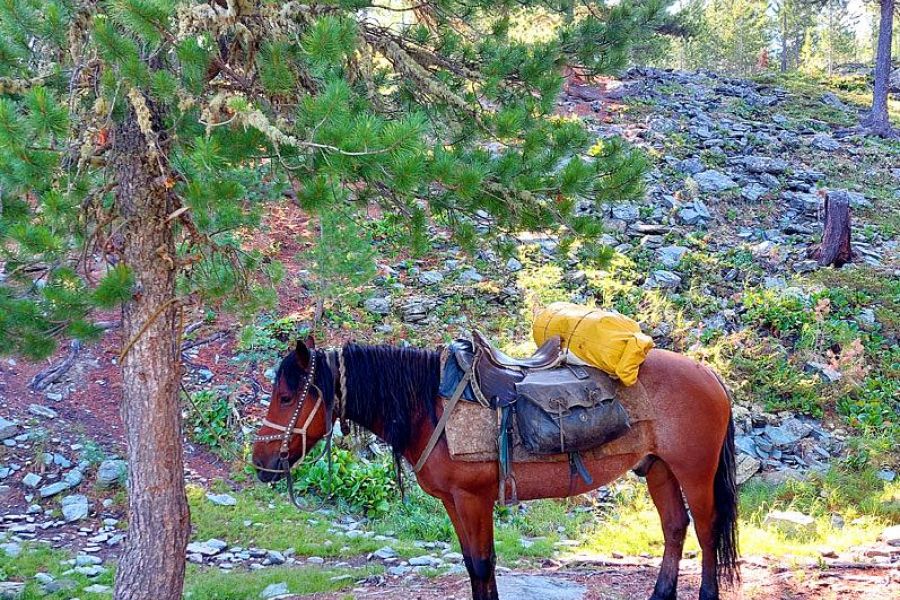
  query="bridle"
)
[{"x": 286, "y": 432}]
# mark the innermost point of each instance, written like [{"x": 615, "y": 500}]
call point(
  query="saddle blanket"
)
[{"x": 471, "y": 430}]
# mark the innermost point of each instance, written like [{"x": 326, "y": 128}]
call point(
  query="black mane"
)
[
  {"x": 393, "y": 385},
  {"x": 384, "y": 383}
]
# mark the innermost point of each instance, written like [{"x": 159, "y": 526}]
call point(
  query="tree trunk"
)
[
  {"x": 878, "y": 121},
  {"x": 153, "y": 562},
  {"x": 835, "y": 248},
  {"x": 784, "y": 39}
]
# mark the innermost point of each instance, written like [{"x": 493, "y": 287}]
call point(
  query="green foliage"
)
[
  {"x": 115, "y": 288},
  {"x": 364, "y": 485},
  {"x": 209, "y": 419}
]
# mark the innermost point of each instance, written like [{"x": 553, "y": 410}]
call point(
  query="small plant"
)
[
  {"x": 364, "y": 485},
  {"x": 209, "y": 417}
]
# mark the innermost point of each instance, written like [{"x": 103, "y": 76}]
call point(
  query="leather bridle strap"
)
[{"x": 442, "y": 423}]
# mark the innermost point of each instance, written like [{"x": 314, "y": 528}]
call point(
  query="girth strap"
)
[{"x": 442, "y": 422}]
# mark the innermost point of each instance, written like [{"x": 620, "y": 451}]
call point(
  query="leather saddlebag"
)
[{"x": 569, "y": 409}]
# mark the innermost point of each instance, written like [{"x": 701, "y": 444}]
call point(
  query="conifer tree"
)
[
  {"x": 878, "y": 121},
  {"x": 141, "y": 138}
]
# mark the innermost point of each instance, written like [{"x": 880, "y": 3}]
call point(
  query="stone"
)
[
  {"x": 75, "y": 507},
  {"x": 694, "y": 213},
  {"x": 210, "y": 547},
  {"x": 12, "y": 590},
  {"x": 762, "y": 164},
  {"x": 378, "y": 306},
  {"x": 431, "y": 277},
  {"x": 539, "y": 587},
  {"x": 274, "y": 557},
  {"x": 399, "y": 570},
  {"x": 825, "y": 372},
  {"x": 746, "y": 467},
  {"x": 513, "y": 265},
  {"x": 222, "y": 499},
  {"x": 425, "y": 560},
  {"x": 111, "y": 473},
  {"x": 11, "y": 549},
  {"x": 42, "y": 411},
  {"x": 714, "y": 181},
  {"x": 85, "y": 560},
  {"x": 53, "y": 489},
  {"x": 754, "y": 192},
  {"x": 670, "y": 256},
  {"x": 782, "y": 476},
  {"x": 625, "y": 212},
  {"x": 315, "y": 560},
  {"x": 888, "y": 475},
  {"x": 385, "y": 553},
  {"x": 691, "y": 166},
  {"x": 470, "y": 276},
  {"x": 31, "y": 480},
  {"x": 98, "y": 588},
  {"x": 790, "y": 522},
  {"x": 8, "y": 428},
  {"x": 663, "y": 279},
  {"x": 823, "y": 141},
  {"x": 891, "y": 536}
]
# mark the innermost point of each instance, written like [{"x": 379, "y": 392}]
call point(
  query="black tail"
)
[{"x": 725, "y": 523}]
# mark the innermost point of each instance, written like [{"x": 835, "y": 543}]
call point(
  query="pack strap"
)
[{"x": 442, "y": 422}]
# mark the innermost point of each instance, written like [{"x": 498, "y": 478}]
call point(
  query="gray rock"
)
[
  {"x": 692, "y": 166},
  {"x": 98, "y": 588},
  {"x": 75, "y": 507},
  {"x": 111, "y": 472},
  {"x": 538, "y": 587},
  {"x": 513, "y": 265},
  {"x": 663, "y": 279},
  {"x": 399, "y": 570},
  {"x": 826, "y": 373},
  {"x": 823, "y": 141},
  {"x": 694, "y": 213},
  {"x": 8, "y": 428},
  {"x": 31, "y": 480},
  {"x": 274, "y": 557},
  {"x": 754, "y": 192},
  {"x": 378, "y": 306},
  {"x": 210, "y": 547},
  {"x": 53, "y": 489},
  {"x": 670, "y": 256},
  {"x": 431, "y": 277},
  {"x": 222, "y": 499},
  {"x": 763, "y": 164},
  {"x": 42, "y": 411},
  {"x": 888, "y": 475},
  {"x": 385, "y": 553},
  {"x": 470, "y": 276},
  {"x": 425, "y": 560},
  {"x": 87, "y": 560},
  {"x": 790, "y": 522},
  {"x": 625, "y": 212},
  {"x": 11, "y": 549},
  {"x": 73, "y": 477},
  {"x": 746, "y": 467},
  {"x": 714, "y": 181},
  {"x": 12, "y": 590}
]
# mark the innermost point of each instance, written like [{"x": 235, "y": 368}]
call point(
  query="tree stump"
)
[{"x": 835, "y": 248}]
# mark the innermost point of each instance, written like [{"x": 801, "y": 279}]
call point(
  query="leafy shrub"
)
[
  {"x": 209, "y": 418},
  {"x": 364, "y": 485}
]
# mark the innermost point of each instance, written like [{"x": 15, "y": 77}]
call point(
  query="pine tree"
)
[
  {"x": 140, "y": 138},
  {"x": 878, "y": 121}
]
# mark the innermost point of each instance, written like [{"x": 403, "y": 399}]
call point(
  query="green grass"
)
[
  {"x": 37, "y": 558},
  {"x": 213, "y": 584}
]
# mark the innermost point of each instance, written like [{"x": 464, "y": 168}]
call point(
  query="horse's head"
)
[{"x": 297, "y": 416}]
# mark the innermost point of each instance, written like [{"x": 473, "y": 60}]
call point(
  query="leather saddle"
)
[{"x": 496, "y": 374}]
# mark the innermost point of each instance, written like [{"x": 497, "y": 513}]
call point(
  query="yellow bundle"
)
[{"x": 606, "y": 340}]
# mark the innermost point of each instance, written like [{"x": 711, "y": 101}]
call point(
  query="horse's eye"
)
[{"x": 285, "y": 399}]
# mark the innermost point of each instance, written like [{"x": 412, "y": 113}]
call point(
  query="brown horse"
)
[{"x": 393, "y": 392}]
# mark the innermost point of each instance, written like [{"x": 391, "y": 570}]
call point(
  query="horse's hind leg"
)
[
  {"x": 700, "y": 498},
  {"x": 666, "y": 494}
]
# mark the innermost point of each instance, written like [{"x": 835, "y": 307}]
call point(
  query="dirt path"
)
[{"x": 760, "y": 582}]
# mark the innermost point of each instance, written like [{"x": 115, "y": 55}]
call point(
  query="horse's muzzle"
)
[{"x": 267, "y": 473}]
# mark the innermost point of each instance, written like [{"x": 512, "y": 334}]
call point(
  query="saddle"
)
[{"x": 556, "y": 408}]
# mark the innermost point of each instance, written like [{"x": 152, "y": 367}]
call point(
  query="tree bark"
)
[
  {"x": 835, "y": 249},
  {"x": 153, "y": 562},
  {"x": 878, "y": 120}
]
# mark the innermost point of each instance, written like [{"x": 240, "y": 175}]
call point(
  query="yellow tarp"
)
[{"x": 607, "y": 340}]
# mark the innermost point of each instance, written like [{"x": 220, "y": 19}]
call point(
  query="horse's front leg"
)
[{"x": 473, "y": 520}]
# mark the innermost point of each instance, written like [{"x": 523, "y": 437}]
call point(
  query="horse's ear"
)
[
  {"x": 310, "y": 342},
  {"x": 303, "y": 354}
]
